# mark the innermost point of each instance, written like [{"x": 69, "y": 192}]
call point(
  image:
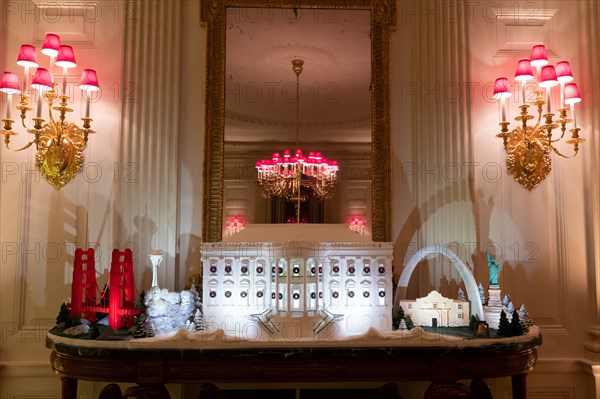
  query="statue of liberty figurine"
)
[{"x": 494, "y": 269}]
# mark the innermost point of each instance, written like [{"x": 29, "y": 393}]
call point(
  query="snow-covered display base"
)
[{"x": 218, "y": 339}]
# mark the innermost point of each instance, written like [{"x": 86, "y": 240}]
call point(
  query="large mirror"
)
[{"x": 252, "y": 110}]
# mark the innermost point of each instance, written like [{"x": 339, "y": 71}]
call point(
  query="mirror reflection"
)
[{"x": 264, "y": 115}]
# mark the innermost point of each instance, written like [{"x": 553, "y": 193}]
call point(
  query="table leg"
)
[
  {"x": 388, "y": 391},
  {"x": 444, "y": 391},
  {"x": 69, "y": 388},
  {"x": 210, "y": 391},
  {"x": 519, "y": 386}
]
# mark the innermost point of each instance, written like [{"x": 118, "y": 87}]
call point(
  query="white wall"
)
[
  {"x": 547, "y": 239},
  {"x": 40, "y": 226},
  {"x": 541, "y": 238}
]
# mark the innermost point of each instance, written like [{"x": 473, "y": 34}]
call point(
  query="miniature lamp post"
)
[{"x": 155, "y": 257}]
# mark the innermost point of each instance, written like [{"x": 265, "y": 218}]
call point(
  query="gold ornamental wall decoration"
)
[
  {"x": 529, "y": 147},
  {"x": 59, "y": 143}
]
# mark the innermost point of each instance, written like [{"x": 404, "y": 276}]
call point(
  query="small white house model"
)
[
  {"x": 435, "y": 310},
  {"x": 297, "y": 281}
]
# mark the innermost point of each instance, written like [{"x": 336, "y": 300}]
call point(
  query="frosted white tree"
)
[
  {"x": 461, "y": 294},
  {"x": 481, "y": 294},
  {"x": 510, "y": 307},
  {"x": 199, "y": 320},
  {"x": 196, "y": 296},
  {"x": 190, "y": 326},
  {"x": 524, "y": 318},
  {"x": 505, "y": 301},
  {"x": 402, "y": 325}
]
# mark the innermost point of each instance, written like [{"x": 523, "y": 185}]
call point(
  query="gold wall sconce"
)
[
  {"x": 529, "y": 147},
  {"x": 59, "y": 143}
]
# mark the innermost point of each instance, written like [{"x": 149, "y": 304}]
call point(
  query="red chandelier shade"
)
[
  {"x": 89, "y": 80},
  {"x": 572, "y": 95},
  {"x": 27, "y": 56},
  {"x": 563, "y": 72},
  {"x": 51, "y": 45},
  {"x": 538, "y": 56},
  {"x": 548, "y": 77},
  {"x": 42, "y": 79},
  {"x": 10, "y": 83},
  {"x": 66, "y": 57},
  {"x": 501, "y": 89},
  {"x": 524, "y": 71}
]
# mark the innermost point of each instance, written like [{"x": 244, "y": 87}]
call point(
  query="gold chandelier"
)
[
  {"x": 529, "y": 147},
  {"x": 59, "y": 143},
  {"x": 297, "y": 178}
]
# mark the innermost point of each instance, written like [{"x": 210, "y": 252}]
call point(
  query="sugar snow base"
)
[
  {"x": 218, "y": 339},
  {"x": 169, "y": 311}
]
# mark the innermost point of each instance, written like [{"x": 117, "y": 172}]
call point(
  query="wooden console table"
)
[{"x": 188, "y": 362}]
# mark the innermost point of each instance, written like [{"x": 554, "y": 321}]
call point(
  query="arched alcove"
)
[{"x": 465, "y": 274}]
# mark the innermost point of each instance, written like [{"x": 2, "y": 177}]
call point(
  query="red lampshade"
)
[
  {"x": 501, "y": 89},
  {"x": 89, "y": 80},
  {"x": 51, "y": 45},
  {"x": 27, "y": 56},
  {"x": 524, "y": 71},
  {"x": 572, "y": 94},
  {"x": 10, "y": 83},
  {"x": 66, "y": 57},
  {"x": 42, "y": 79},
  {"x": 538, "y": 56},
  {"x": 563, "y": 72},
  {"x": 548, "y": 77}
]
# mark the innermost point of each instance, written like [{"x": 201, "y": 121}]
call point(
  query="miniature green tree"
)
[
  {"x": 409, "y": 323},
  {"x": 140, "y": 303},
  {"x": 525, "y": 319},
  {"x": 515, "y": 324},
  {"x": 139, "y": 329},
  {"x": 504, "y": 329},
  {"x": 94, "y": 331},
  {"x": 472, "y": 322},
  {"x": 64, "y": 316}
]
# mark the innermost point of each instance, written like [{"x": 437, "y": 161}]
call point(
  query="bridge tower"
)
[
  {"x": 84, "y": 287},
  {"x": 122, "y": 289}
]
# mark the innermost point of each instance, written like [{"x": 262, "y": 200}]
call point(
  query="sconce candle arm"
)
[
  {"x": 7, "y": 143},
  {"x": 576, "y": 150}
]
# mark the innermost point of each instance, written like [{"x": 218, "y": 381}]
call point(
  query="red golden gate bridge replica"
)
[{"x": 121, "y": 289}]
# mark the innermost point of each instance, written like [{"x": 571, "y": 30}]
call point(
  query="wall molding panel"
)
[{"x": 518, "y": 29}]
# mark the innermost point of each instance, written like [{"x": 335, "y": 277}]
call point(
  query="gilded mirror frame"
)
[{"x": 383, "y": 17}]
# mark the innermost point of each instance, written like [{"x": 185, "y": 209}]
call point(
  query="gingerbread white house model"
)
[
  {"x": 297, "y": 281},
  {"x": 435, "y": 310}
]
